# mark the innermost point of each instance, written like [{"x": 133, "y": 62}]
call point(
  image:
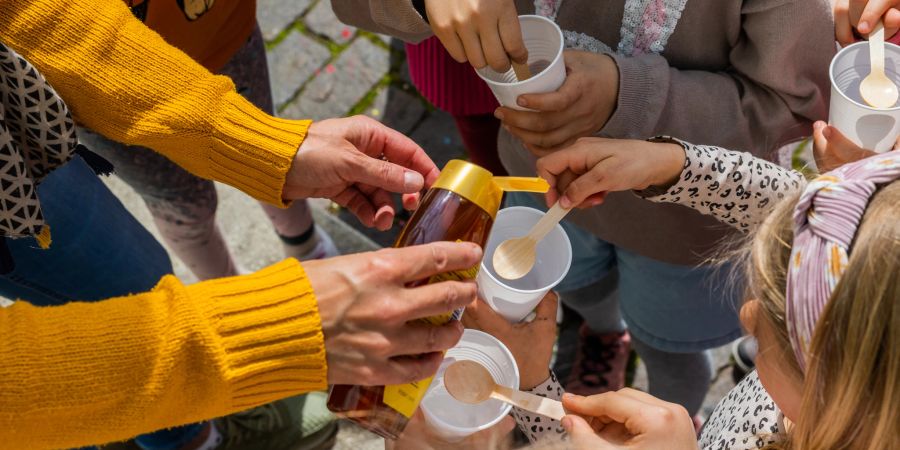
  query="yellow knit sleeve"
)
[
  {"x": 90, "y": 373},
  {"x": 121, "y": 79}
]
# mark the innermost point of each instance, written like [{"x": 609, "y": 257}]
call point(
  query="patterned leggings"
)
[{"x": 184, "y": 206}]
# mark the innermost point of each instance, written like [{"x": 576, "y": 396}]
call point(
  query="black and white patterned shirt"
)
[{"x": 736, "y": 188}]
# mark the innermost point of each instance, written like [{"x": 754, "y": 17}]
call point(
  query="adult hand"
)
[
  {"x": 581, "y": 106},
  {"x": 358, "y": 162},
  {"x": 418, "y": 435},
  {"x": 530, "y": 343},
  {"x": 863, "y": 15},
  {"x": 369, "y": 314},
  {"x": 482, "y": 32},
  {"x": 832, "y": 149},
  {"x": 627, "y": 419},
  {"x": 592, "y": 166}
]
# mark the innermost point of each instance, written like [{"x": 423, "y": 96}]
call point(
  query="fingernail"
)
[
  {"x": 863, "y": 27},
  {"x": 522, "y": 102},
  {"x": 477, "y": 252},
  {"x": 412, "y": 181},
  {"x": 818, "y": 125},
  {"x": 596, "y": 201},
  {"x": 498, "y": 114},
  {"x": 566, "y": 422},
  {"x": 565, "y": 202}
]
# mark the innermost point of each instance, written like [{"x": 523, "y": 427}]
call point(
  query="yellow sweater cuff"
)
[
  {"x": 270, "y": 333},
  {"x": 254, "y": 151}
]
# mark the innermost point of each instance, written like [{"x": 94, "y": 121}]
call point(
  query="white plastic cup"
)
[
  {"x": 515, "y": 299},
  {"x": 453, "y": 420},
  {"x": 544, "y": 41},
  {"x": 871, "y": 128}
]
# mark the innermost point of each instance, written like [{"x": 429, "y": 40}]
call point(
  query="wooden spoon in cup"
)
[
  {"x": 514, "y": 258},
  {"x": 470, "y": 382},
  {"x": 877, "y": 89}
]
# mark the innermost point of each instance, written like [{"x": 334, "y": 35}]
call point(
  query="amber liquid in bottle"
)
[{"x": 442, "y": 216}]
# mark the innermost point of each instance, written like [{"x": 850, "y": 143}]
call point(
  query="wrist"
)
[
  {"x": 536, "y": 378},
  {"x": 671, "y": 163}
]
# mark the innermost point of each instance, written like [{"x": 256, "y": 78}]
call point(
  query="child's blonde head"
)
[{"x": 851, "y": 385}]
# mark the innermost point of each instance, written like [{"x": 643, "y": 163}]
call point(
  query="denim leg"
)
[{"x": 99, "y": 250}]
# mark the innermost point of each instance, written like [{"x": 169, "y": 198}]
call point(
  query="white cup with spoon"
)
[
  {"x": 515, "y": 299},
  {"x": 454, "y": 420},
  {"x": 868, "y": 126}
]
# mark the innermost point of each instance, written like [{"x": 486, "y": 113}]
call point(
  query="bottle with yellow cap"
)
[{"x": 460, "y": 206}]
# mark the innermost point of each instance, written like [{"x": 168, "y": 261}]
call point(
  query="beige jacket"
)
[{"x": 745, "y": 75}]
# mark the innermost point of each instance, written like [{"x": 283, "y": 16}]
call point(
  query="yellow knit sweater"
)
[{"x": 88, "y": 373}]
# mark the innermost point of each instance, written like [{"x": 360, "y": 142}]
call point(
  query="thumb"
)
[
  {"x": 583, "y": 187},
  {"x": 385, "y": 175},
  {"x": 583, "y": 435}
]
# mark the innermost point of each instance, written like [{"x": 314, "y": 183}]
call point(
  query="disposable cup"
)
[
  {"x": 544, "y": 41},
  {"x": 453, "y": 420},
  {"x": 871, "y": 128},
  {"x": 515, "y": 299}
]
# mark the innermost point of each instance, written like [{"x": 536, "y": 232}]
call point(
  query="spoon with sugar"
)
[
  {"x": 877, "y": 89},
  {"x": 470, "y": 382}
]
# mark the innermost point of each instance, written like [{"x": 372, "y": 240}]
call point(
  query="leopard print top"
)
[{"x": 736, "y": 188}]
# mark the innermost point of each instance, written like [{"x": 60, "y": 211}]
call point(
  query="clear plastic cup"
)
[
  {"x": 871, "y": 128},
  {"x": 544, "y": 41},
  {"x": 453, "y": 420},
  {"x": 515, "y": 299}
]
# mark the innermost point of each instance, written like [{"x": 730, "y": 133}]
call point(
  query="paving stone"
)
[
  {"x": 397, "y": 109},
  {"x": 293, "y": 61},
  {"x": 340, "y": 85},
  {"x": 437, "y": 134},
  {"x": 275, "y": 15},
  {"x": 323, "y": 21}
]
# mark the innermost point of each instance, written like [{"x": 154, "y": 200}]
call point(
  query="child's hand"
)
[
  {"x": 530, "y": 343},
  {"x": 608, "y": 165},
  {"x": 581, "y": 106},
  {"x": 832, "y": 149},
  {"x": 862, "y": 15},
  {"x": 627, "y": 419},
  {"x": 483, "y": 32},
  {"x": 418, "y": 435}
]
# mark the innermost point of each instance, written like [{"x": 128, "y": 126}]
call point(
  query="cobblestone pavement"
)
[{"x": 321, "y": 68}]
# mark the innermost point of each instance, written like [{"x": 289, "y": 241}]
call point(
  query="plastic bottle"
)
[{"x": 460, "y": 206}]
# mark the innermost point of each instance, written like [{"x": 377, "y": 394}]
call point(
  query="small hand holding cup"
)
[
  {"x": 531, "y": 343},
  {"x": 832, "y": 149},
  {"x": 581, "y": 106}
]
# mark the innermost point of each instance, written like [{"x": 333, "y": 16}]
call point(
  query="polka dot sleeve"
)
[
  {"x": 536, "y": 426},
  {"x": 736, "y": 188}
]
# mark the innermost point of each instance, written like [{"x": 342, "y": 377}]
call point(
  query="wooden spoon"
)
[
  {"x": 514, "y": 258},
  {"x": 877, "y": 89},
  {"x": 470, "y": 382},
  {"x": 523, "y": 72}
]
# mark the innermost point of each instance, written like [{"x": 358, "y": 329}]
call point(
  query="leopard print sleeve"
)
[
  {"x": 736, "y": 188},
  {"x": 536, "y": 426},
  {"x": 745, "y": 419}
]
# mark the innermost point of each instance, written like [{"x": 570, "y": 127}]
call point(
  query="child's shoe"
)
[{"x": 600, "y": 362}]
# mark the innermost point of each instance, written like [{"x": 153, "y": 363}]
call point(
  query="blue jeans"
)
[{"x": 99, "y": 250}]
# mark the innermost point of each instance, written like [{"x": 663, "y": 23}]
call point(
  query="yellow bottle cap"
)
[{"x": 481, "y": 187}]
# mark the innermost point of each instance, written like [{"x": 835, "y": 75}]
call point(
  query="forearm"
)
[
  {"x": 122, "y": 80},
  {"x": 736, "y": 188},
  {"x": 88, "y": 373}
]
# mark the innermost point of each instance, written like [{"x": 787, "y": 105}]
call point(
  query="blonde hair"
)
[{"x": 851, "y": 390}]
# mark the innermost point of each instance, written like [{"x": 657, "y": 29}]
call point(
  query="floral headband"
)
[{"x": 825, "y": 221}]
